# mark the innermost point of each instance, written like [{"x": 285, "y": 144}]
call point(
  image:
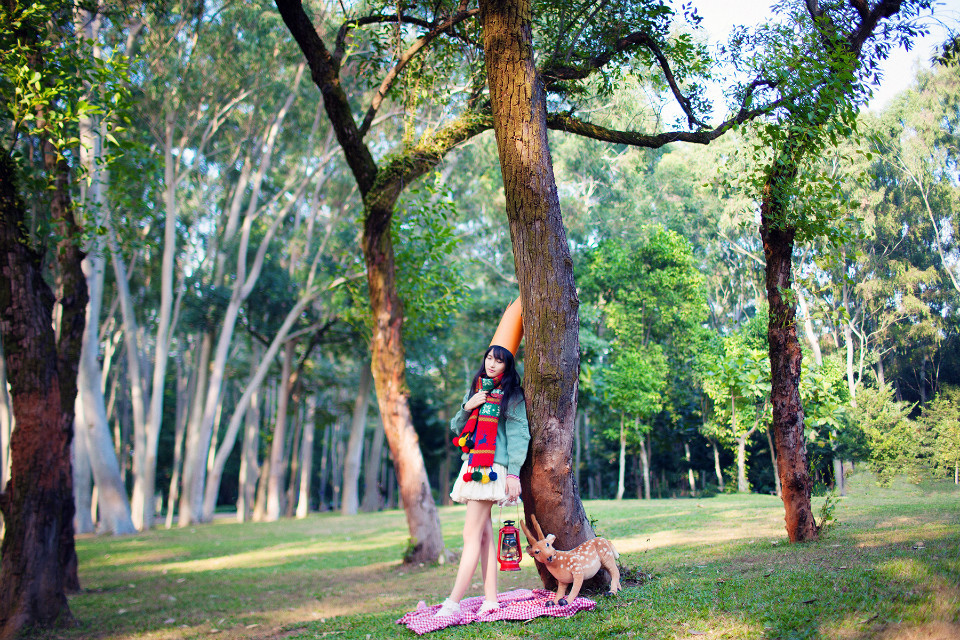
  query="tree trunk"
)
[
  {"x": 544, "y": 271},
  {"x": 351, "y": 466},
  {"x": 250, "y": 449},
  {"x": 785, "y": 358},
  {"x": 372, "y": 500},
  {"x": 37, "y": 557},
  {"x": 278, "y": 454},
  {"x": 593, "y": 475},
  {"x": 645, "y": 462},
  {"x": 82, "y": 478},
  {"x": 742, "y": 485},
  {"x": 621, "y": 471},
  {"x": 185, "y": 394},
  {"x": 773, "y": 461},
  {"x": 189, "y": 510},
  {"x": 690, "y": 479},
  {"x": 249, "y": 460},
  {"x": 716, "y": 463},
  {"x": 113, "y": 506},
  {"x": 293, "y": 446},
  {"x": 306, "y": 457},
  {"x": 808, "y": 330}
]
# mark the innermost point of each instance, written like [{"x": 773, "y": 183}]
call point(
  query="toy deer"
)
[{"x": 573, "y": 567}]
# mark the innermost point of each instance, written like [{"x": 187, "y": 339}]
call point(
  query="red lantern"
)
[{"x": 508, "y": 550}]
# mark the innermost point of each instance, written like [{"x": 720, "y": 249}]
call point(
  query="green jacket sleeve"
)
[
  {"x": 460, "y": 418},
  {"x": 517, "y": 431}
]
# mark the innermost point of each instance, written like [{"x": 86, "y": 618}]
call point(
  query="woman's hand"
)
[
  {"x": 476, "y": 400},
  {"x": 513, "y": 489}
]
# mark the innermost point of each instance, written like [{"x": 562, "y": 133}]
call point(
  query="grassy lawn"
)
[{"x": 719, "y": 568}]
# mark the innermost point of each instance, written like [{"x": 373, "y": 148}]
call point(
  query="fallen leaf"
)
[
  {"x": 169, "y": 621},
  {"x": 694, "y": 632}
]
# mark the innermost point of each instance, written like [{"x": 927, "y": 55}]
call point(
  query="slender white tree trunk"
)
[
  {"x": 278, "y": 458},
  {"x": 306, "y": 456},
  {"x": 164, "y": 334},
  {"x": 621, "y": 485},
  {"x": 249, "y": 460},
  {"x": 6, "y": 428},
  {"x": 690, "y": 479},
  {"x": 189, "y": 510},
  {"x": 186, "y": 389},
  {"x": 371, "y": 487},
  {"x": 213, "y": 479},
  {"x": 82, "y": 478},
  {"x": 716, "y": 463},
  {"x": 351, "y": 466},
  {"x": 645, "y": 461},
  {"x": 773, "y": 461}
]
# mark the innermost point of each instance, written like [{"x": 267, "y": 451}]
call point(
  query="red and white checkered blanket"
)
[{"x": 519, "y": 604}]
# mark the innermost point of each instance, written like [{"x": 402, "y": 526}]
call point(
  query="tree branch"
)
[
  {"x": 405, "y": 57},
  {"x": 324, "y": 70},
  {"x": 552, "y": 74}
]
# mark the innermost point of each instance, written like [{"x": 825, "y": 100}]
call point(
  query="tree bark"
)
[
  {"x": 38, "y": 563},
  {"x": 351, "y": 465},
  {"x": 544, "y": 271},
  {"x": 785, "y": 359}
]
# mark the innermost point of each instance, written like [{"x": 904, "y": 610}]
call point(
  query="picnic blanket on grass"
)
[{"x": 519, "y": 604}]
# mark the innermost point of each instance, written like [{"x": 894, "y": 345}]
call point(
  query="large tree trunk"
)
[
  {"x": 389, "y": 375},
  {"x": 785, "y": 357},
  {"x": 351, "y": 464},
  {"x": 38, "y": 562},
  {"x": 544, "y": 271}
]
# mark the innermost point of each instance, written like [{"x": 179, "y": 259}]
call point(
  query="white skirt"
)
[{"x": 495, "y": 490}]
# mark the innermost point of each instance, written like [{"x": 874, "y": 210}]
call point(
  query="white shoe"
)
[
  {"x": 487, "y": 607},
  {"x": 447, "y": 609}
]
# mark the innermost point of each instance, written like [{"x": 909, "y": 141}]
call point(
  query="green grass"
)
[{"x": 713, "y": 568}]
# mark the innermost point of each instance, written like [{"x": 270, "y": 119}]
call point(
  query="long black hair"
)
[{"x": 511, "y": 379}]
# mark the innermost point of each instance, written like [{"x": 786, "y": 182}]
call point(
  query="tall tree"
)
[
  {"x": 822, "y": 78},
  {"x": 41, "y": 349}
]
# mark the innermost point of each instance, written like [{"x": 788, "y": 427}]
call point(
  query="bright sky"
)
[{"x": 720, "y": 15}]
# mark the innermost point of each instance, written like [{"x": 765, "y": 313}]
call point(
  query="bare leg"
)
[
  {"x": 475, "y": 527},
  {"x": 488, "y": 560}
]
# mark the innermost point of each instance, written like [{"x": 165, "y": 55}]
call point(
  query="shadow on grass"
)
[{"x": 721, "y": 568}]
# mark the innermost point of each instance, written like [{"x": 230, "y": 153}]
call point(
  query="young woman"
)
[{"x": 493, "y": 433}]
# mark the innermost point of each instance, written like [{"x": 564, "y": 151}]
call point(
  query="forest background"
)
[{"x": 226, "y": 359}]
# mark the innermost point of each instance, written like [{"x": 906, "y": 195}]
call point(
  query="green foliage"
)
[
  {"x": 429, "y": 277},
  {"x": 49, "y": 79},
  {"x": 890, "y": 437},
  {"x": 939, "y": 427}
]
